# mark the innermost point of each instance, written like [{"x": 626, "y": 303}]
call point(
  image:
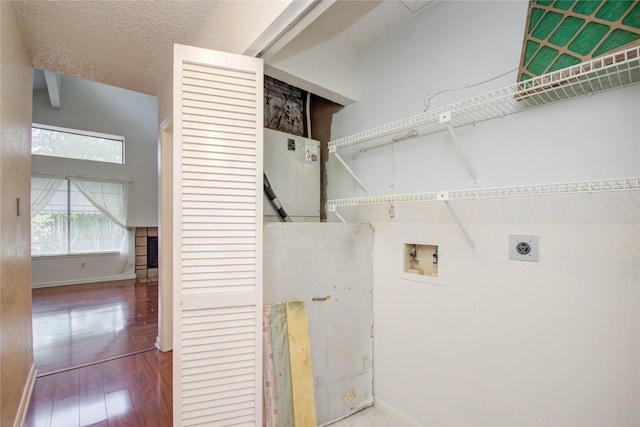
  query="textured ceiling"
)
[{"x": 128, "y": 44}]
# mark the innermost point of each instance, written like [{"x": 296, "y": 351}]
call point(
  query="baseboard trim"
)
[
  {"x": 26, "y": 397},
  {"x": 396, "y": 413},
  {"x": 364, "y": 405},
  {"x": 160, "y": 347},
  {"x": 83, "y": 281}
]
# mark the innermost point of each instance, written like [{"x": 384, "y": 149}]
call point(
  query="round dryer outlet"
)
[{"x": 524, "y": 248}]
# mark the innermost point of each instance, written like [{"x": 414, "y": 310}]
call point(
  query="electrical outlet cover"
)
[{"x": 524, "y": 248}]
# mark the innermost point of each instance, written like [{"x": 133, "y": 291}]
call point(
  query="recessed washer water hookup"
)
[{"x": 421, "y": 259}]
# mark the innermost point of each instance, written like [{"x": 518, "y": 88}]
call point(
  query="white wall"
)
[
  {"x": 318, "y": 64},
  {"x": 498, "y": 342},
  {"x": 100, "y": 108},
  {"x": 77, "y": 268}
]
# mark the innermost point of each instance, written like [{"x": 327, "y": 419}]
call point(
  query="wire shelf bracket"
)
[
  {"x": 333, "y": 209},
  {"x": 461, "y": 153},
  {"x": 346, "y": 166},
  {"x": 444, "y": 196},
  {"x": 464, "y": 230}
]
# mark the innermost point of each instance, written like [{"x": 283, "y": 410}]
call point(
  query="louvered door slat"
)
[
  {"x": 194, "y": 98},
  {"x": 195, "y": 179},
  {"x": 231, "y": 72},
  {"x": 207, "y": 109},
  {"x": 222, "y": 160},
  {"x": 217, "y": 238},
  {"x": 227, "y": 137},
  {"x": 216, "y": 75},
  {"x": 232, "y": 383},
  {"x": 221, "y": 127},
  {"x": 234, "y": 251},
  {"x": 226, "y": 169},
  {"x": 236, "y": 82},
  {"x": 189, "y": 241},
  {"x": 224, "y": 96},
  {"x": 217, "y": 220},
  {"x": 228, "y": 84},
  {"x": 217, "y": 191},
  {"x": 238, "y": 151}
]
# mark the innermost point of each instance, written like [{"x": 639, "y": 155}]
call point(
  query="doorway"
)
[{"x": 96, "y": 319}]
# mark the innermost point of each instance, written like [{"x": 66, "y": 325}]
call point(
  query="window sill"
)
[{"x": 75, "y": 255}]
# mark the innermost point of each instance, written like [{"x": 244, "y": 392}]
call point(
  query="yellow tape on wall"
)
[{"x": 304, "y": 402}]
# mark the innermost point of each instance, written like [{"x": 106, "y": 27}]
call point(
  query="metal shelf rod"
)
[
  {"x": 460, "y": 225},
  {"x": 461, "y": 153},
  {"x": 339, "y": 216},
  {"x": 607, "y": 72},
  {"x": 351, "y": 172},
  {"x": 574, "y": 187}
]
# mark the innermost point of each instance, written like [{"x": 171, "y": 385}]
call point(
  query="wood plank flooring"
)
[
  {"x": 78, "y": 325},
  {"x": 135, "y": 390},
  {"x": 96, "y": 360}
]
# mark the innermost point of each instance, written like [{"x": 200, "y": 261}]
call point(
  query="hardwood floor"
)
[
  {"x": 96, "y": 360},
  {"x": 78, "y": 325},
  {"x": 134, "y": 390}
]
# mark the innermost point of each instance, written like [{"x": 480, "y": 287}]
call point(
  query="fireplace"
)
[
  {"x": 152, "y": 251},
  {"x": 147, "y": 253}
]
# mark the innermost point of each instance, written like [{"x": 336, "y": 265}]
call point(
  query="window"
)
[
  {"x": 70, "y": 216},
  {"x": 76, "y": 144}
]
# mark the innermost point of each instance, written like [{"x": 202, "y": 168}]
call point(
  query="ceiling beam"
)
[{"x": 54, "y": 82}]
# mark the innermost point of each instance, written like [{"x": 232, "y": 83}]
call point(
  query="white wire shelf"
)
[
  {"x": 597, "y": 75},
  {"x": 595, "y": 186}
]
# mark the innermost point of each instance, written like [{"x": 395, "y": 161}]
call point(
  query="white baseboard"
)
[
  {"x": 396, "y": 413},
  {"x": 125, "y": 276},
  {"x": 26, "y": 397},
  {"x": 366, "y": 404},
  {"x": 160, "y": 347}
]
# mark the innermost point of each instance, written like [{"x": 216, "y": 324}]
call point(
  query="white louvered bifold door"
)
[{"x": 217, "y": 105}]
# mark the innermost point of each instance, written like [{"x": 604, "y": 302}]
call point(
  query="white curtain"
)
[
  {"x": 43, "y": 188},
  {"x": 110, "y": 198}
]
